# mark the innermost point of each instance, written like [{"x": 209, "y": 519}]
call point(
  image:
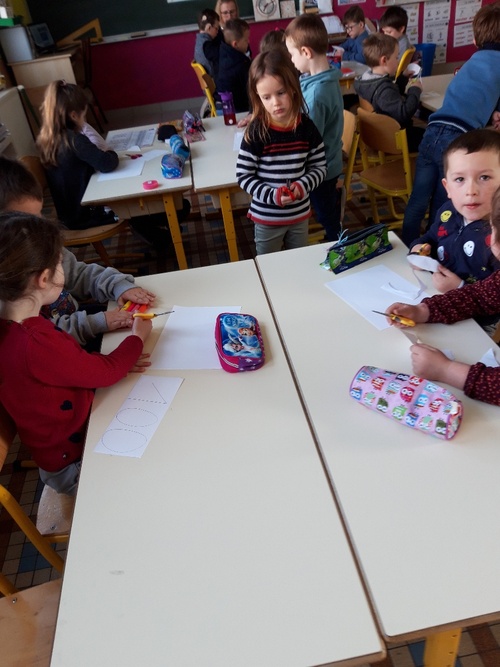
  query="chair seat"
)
[
  {"x": 55, "y": 512},
  {"x": 93, "y": 234},
  {"x": 27, "y": 625},
  {"x": 388, "y": 177}
]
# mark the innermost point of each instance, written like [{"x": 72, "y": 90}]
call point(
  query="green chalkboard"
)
[{"x": 119, "y": 17}]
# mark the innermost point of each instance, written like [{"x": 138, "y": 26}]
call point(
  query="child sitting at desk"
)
[
  {"x": 19, "y": 191},
  {"x": 47, "y": 380},
  {"x": 460, "y": 236},
  {"x": 377, "y": 86},
  {"x": 354, "y": 24},
  {"x": 208, "y": 24},
  {"x": 394, "y": 22},
  {"x": 70, "y": 158},
  {"x": 481, "y": 298},
  {"x": 234, "y": 64}
]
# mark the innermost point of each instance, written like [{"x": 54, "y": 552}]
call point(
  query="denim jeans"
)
[
  {"x": 427, "y": 186},
  {"x": 326, "y": 203},
  {"x": 271, "y": 238}
]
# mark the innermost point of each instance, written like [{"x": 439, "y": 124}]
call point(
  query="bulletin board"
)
[{"x": 433, "y": 25}]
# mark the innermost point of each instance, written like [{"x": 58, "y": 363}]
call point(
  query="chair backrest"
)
[
  {"x": 379, "y": 132},
  {"x": 372, "y": 25},
  {"x": 364, "y": 104},
  {"x": 350, "y": 139},
  {"x": 207, "y": 84},
  {"x": 34, "y": 165},
  {"x": 404, "y": 61}
]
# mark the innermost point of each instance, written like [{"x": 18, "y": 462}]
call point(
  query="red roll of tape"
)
[{"x": 150, "y": 185}]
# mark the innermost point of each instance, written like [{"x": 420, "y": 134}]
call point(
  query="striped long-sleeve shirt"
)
[{"x": 289, "y": 155}]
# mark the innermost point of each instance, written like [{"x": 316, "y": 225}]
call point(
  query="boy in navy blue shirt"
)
[
  {"x": 460, "y": 237},
  {"x": 354, "y": 23}
]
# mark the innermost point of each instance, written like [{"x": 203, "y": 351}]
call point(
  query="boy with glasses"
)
[{"x": 354, "y": 24}]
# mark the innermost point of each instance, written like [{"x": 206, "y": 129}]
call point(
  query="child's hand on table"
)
[
  {"x": 244, "y": 121},
  {"x": 432, "y": 364},
  {"x": 141, "y": 364},
  {"x": 137, "y": 295},
  {"x": 445, "y": 280},
  {"x": 419, "y": 314},
  {"x": 118, "y": 319}
]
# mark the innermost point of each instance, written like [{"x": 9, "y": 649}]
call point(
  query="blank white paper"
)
[
  {"x": 375, "y": 288},
  {"x": 188, "y": 339}
]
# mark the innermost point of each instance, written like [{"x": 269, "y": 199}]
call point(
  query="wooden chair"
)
[
  {"x": 367, "y": 106},
  {"x": 14, "y": 509},
  {"x": 28, "y": 623},
  {"x": 404, "y": 61},
  {"x": 350, "y": 142},
  {"x": 393, "y": 177},
  {"x": 78, "y": 237},
  {"x": 350, "y": 139},
  {"x": 207, "y": 85}
]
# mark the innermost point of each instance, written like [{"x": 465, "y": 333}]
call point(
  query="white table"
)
[
  {"x": 422, "y": 513},
  {"x": 213, "y": 162},
  {"x": 222, "y": 545},
  {"x": 128, "y": 198},
  {"x": 434, "y": 89}
]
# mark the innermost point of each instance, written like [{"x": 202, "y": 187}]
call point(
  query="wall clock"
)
[{"x": 265, "y": 10}]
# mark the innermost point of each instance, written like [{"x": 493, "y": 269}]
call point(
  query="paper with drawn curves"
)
[{"x": 139, "y": 416}]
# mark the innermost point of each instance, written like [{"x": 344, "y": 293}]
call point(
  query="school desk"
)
[
  {"x": 128, "y": 198},
  {"x": 422, "y": 513},
  {"x": 213, "y": 162},
  {"x": 222, "y": 545},
  {"x": 434, "y": 89}
]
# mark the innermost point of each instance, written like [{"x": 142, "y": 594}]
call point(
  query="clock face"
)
[
  {"x": 267, "y": 7},
  {"x": 265, "y": 10}
]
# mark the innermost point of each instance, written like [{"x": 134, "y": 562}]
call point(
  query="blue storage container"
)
[{"x": 424, "y": 54}]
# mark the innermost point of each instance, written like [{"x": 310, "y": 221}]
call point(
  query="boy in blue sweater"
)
[
  {"x": 460, "y": 237},
  {"x": 354, "y": 24},
  {"x": 470, "y": 102},
  {"x": 307, "y": 42}
]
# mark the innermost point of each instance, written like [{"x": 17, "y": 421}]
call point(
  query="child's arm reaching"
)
[{"x": 432, "y": 364}]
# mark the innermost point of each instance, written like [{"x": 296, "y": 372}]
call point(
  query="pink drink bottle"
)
[{"x": 228, "y": 108}]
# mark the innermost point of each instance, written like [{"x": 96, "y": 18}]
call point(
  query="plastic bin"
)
[{"x": 424, "y": 54}]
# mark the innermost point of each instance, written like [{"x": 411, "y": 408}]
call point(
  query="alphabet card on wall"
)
[{"x": 265, "y": 10}]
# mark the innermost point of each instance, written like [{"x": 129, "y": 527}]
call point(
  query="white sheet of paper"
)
[
  {"x": 423, "y": 263},
  {"x": 140, "y": 414},
  {"x": 122, "y": 140},
  {"x": 126, "y": 168},
  {"x": 367, "y": 290},
  {"x": 238, "y": 138},
  {"x": 489, "y": 359},
  {"x": 188, "y": 339}
]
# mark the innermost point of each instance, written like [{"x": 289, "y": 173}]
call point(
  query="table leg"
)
[
  {"x": 175, "y": 230},
  {"x": 227, "y": 217},
  {"x": 441, "y": 649}
]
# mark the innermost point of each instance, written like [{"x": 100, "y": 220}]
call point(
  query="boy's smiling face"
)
[{"x": 471, "y": 180}]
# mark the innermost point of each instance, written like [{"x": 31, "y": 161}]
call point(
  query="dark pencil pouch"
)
[
  {"x": 354, "y": 249},
  {"x": 239, "y": 343},
  {"x": 166, "y": 131}
]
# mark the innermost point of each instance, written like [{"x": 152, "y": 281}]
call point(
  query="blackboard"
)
[{"x": 119, "y": 17}]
